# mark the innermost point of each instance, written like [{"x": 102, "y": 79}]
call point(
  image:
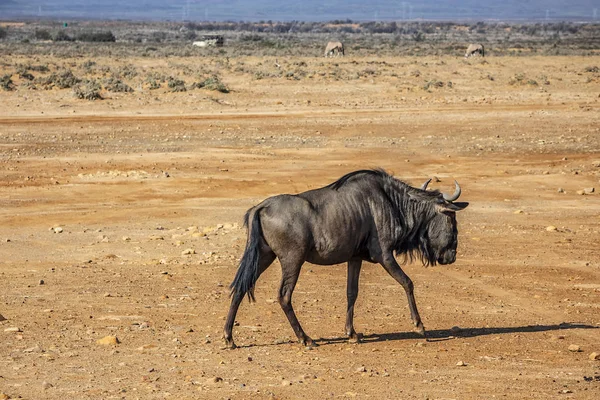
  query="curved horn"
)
[
  {"x": 455, "y": 195},
  {"x": 424, "y": 186}
]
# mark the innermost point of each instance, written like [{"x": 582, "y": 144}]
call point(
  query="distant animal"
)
[
  {"x": 333, "y": 47},
  {"x": 475, "y": 49},
  {"x": 202, "y": 43},
  {"x": 366, "y": 215}
]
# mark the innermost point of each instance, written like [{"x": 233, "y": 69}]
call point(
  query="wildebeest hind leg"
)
[
  {"x": 391, "y": 266},
  {"x": 266, "y": 258},
  {"x": 352, "y": 294},
  {"x": 290, "y": 270}
]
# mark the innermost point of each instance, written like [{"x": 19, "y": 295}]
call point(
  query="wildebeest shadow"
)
[
  {"x": 447, "y": 334},
  {"x": 438, "y": 334}
]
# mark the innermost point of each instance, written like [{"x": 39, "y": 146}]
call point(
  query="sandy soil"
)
[{"x": 102, "y": 202}]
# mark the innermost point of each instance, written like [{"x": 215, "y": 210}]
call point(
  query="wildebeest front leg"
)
[
  {"x": 352, "y": 294},
  {"x": 391, "y": 266},
  {"x": 289, "y": 277}
]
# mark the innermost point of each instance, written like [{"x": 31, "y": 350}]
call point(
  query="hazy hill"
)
[{"x": 306, "y": 10}]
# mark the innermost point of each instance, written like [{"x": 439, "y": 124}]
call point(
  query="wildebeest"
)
[
  {"x": 333, "y": 47},
  {"x": 365, "y": 215},
  {"x": 475, "y": 49}
]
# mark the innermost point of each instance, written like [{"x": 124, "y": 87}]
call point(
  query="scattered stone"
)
[
  {"x": 188, "y": 252},
  {"x": 286, "y": 383},
  {"x": 589, "y": 190},
  {"x": 156, "y": 237},
  {"x": 13, "y": 329},
  {"x": 461, "y": 364},
  {"x": 455, "y": 329},
  {"x": 551, "y": 228},
  {"x": 41, "y": 282},
  {"x": 2, "y": 318},
  {"x": 594, "y": 356},
  {"x": 216, "y": 379},
  {"x": 580, "y": 192},
  {"x": 574, "y": 348},
  {"x": 46, "y": 385},
  {"x": 126, "y": 238},
  {"x": 108, "y": 341},
  {"x": 360, "y": 369},
  {"x": 518, "y": 212},
  {"x": 57, "y": 229},
  {"x": 561, "y": 190},
  {"x": 566, "y": 391}
]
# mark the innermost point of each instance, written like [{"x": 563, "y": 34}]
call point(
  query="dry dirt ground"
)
[{"x": 122, "y": 217}]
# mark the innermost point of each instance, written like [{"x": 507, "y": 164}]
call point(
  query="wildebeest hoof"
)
[
  {"x": 309, "y": 343},
  {"x": 421, "y": 329},
  {"x": 229, "y": 344},
  {"x": 355, "y": 338}
]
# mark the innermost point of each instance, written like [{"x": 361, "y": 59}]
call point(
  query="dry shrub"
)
[
  {"x": 90, "y": 90},
  {"x": 211, "y": 83},
  {"x": 6, "y": 83},
  {"x": 176, "y": 85},
  {"x": 63, "y": 80},
  {"x": 116, "y": 85}
]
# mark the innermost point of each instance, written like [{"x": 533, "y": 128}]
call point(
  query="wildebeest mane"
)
[{"x": 413, "y": 207}]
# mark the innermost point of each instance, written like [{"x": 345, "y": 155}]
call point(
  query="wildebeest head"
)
[{"x": 439, "y": 240}]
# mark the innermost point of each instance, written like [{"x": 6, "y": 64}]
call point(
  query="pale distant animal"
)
[
  {"x": 333, "y": 47},
  {"x": 474, "y": 49},
  {"x": 200, "y": 44}
]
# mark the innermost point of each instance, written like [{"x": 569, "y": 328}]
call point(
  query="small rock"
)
[
  {"x": 518, "y": 212},
  {"x": 566, "y": 391},
  {"x": 57, "y": 229},
  {"x": 13, "y": 329},
  {"x": 46, "y": 385},
  {"x": 286, "y": 383},
  {"x": 41, "y": 282},
  {"x": 108, "y": 340},
  {"x": 461, "y": 364},
  {"x": 551, "y": 228},
  {"x": 561, "y": 190},
  {"x": 126, "y": 238},
  {"x": 455, "y": 329},
  {"x": 2, "y": 318},
  {"x": 574, "y": 348},
  {"x": 580, "y": 192},
  {"x": 360, "y": 369},
  {"x": 594, "y": 356},
  {"x": 589, "y": 190},
  {"x": 216, "y": 379},
  {"x": 188, "y": 252}
]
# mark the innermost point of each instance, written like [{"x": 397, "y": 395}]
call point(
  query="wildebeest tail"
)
[
  {"x": 482, "y": 51},
  {"x": 247, "y": 273}
]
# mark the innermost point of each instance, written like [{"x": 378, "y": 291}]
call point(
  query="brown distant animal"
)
[
  {"x": 475, "y": 49},
  {"x": 332, "y": 47}
]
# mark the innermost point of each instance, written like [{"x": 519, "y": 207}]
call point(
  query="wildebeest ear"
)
[{"x": 452, "y": 207}]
